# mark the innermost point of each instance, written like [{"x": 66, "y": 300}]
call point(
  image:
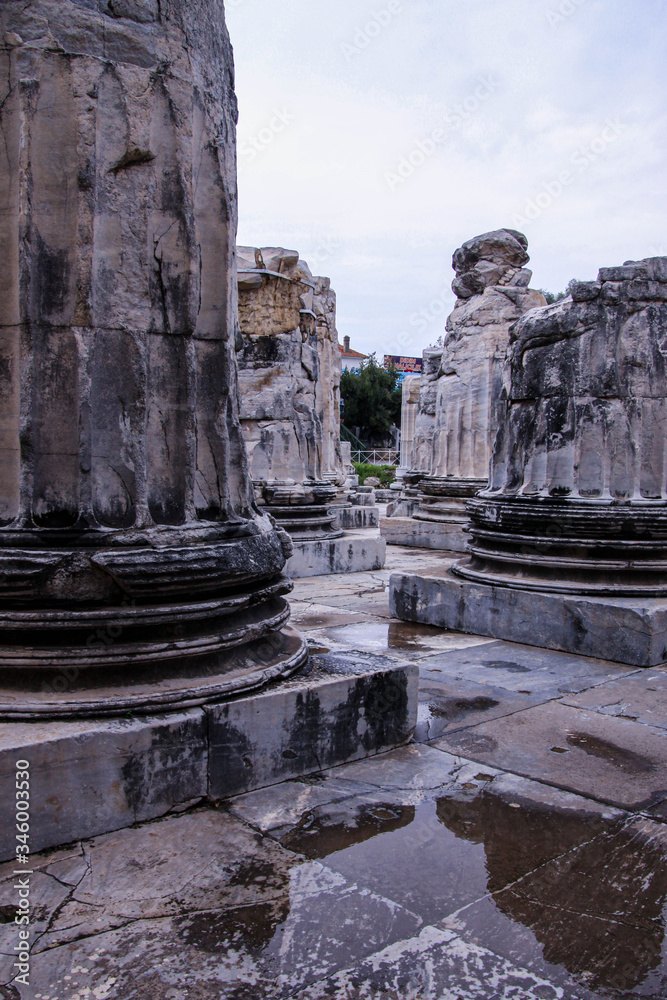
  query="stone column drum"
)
[
  {"x": 135, "y": 572},
  {"x": 458, "y": 413},
  {"x": 491, "y": 287},
  {"x": 569, "y": 541},
  {"x": 409, "y": 410},
  {"x": 279, "y": 372},
  {"x": 289, "y": 379}
]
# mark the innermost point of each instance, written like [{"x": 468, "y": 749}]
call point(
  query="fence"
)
[{"x": 387, "y": 456}]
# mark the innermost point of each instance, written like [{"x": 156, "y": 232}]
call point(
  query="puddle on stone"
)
[
  {"x": 391, "y": 635},
  {"x": 321, "y": 837},
  {"x": 590, "y": 891}
]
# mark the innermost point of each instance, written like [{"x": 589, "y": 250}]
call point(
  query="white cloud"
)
[{"x": 319, "y": 185}]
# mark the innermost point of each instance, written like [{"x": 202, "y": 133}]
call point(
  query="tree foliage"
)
[
  {"x": 371, "y": 399},
  {"x": 552, "y": 297}
]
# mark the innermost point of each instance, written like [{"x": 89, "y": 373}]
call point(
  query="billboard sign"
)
[{"x": 405, "y": 365}]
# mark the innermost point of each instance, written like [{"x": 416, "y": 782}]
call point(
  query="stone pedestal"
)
[
  {"x": 90, "y": 777},
  {"x": 135, "y": 572},
  {"x": 569, "y": 541},
  {"x": 460, "y": 404},
  {"x": 290, "y": 410}
]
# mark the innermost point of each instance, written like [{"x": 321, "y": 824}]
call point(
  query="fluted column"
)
[
  {"x": 491, "y": 286},
  {"x": 577, "y": 500},
  {"x": 280, "y": 376},
  {"x": 126, "y": 504}
]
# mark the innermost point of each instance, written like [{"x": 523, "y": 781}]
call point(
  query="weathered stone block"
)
[
  {"x": 356, "y": 553},
  {"x": 359, "y": 517},
  {"x": 349, "y": 707},
  {"x": 88, "y": 778},
  {"x": 423, "y": 534},
  {"x": 626, "y": 630}
]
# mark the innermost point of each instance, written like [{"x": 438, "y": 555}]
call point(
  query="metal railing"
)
[{"x": 386, "y": 456}]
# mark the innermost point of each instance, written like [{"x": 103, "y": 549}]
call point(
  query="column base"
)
[
  {"x": 626, "y": 630},
  {"x": 356, "y": 553},
  {"x": 92, "y": 777},
  {"x": 424, "y": 534},
  {"x": 359, "y": 517}
]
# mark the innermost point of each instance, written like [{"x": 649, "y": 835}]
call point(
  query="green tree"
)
[
  {"x": 552, "y": 297},
  {"x": 371, "y": 400}
]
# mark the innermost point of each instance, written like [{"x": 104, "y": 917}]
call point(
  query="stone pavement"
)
[{"x": 517, "y": 849}]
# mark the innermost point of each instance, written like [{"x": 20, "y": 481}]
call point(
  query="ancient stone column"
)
[
  {"x": 492, "y": 292},
  {"x": 289, "y": 380},
  {"x": 327, "y": 395},
  {"x": 135, "y": 572},
  {"x": 409, "y": 409},
  {"x": 459, "y": 392},
  {"x": 280, "y": 377},
  {"x": 569, "y": 541}
]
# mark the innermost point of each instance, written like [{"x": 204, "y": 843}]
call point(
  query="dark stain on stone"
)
[
  {"x": 9, "y": 992},
  {"x": 230, "y": 759},
  {"x": 454, "y": 708},
  {"x": 50, "y": 274},
  {"x": 132, "y": 158},
  {"x": 249, "y": 872},
  {"x": 512, "y": 668},
  {"x": 248, "y": 928},
  {"x": 626, "y": 760}
]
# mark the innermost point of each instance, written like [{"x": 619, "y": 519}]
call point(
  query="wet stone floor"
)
[{"x": 517, "y": 849}]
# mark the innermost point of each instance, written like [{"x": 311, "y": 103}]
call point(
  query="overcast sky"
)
[{"x": 376, "y": 136}]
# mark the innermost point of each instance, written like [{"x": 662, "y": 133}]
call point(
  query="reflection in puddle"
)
[
  {"x": 320, "y": 836},
  {"x": 591, "y": 890},
  {"x": 389, "y": 635},
  {"x": 593, "y": 893}
]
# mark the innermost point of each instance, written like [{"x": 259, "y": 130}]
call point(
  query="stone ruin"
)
[
  {"x": 569, "y": 540},
  {"x": 460, "y": 392},
  {"x": 125, "y": 505},
  {"x": 284, "y": 401},
  {"x": 409, "y": 409},
  {"x": 289, "y": 381},
  {"x": 137, "y": 575}
]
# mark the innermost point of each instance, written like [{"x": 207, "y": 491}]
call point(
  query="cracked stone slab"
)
[
  {"x": 594, "y": 913},
  {"x": 89, "y": 778},
  {"x": 446, "y": 707},
  {"x": 203, "y": 903},
  {"x": 524, "y": 669},
  {"x": 318, "y": 616},
  {"x": 436, "y": 965},
  {"x": 283, "y": 806},
  {"x": 448, "y": 837},
  {"x": 612, "y": 760},
  {"x": 640, "y": 698}
]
